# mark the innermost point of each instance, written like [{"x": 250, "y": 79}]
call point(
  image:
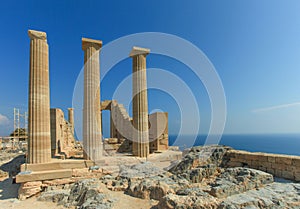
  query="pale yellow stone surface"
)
[
  {"x": 62, "y": 136},
  {"x": 87, "y": 43},
  {"x": 158, "y": 132},
  {"x": 140, "y": 146},
  {"x": 139, "y": 51},
  {"x": 44, "y": 175},
  {"x": 60, "y": 164},
  {"x": 92, "y": 127},
  {"x": 33, "y": 34},
  {"x": 71, "y": 118},
  {"x": 39, "y": 143},
  {"x": 29, "y": 189}
]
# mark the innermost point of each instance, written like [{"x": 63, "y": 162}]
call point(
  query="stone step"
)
[
  {"x": 43, "y": 175},
  {"x": 63, "y": 164}
]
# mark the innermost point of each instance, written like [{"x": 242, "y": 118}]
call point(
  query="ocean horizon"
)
[{"x": 288, "y": 144}]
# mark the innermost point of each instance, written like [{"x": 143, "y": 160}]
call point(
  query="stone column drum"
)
[
  {"x": 92, "y": 136},
  {"x": 140, "y": 146},
  {"x": 39, "y": 139},
  {"x": 71, "y": 118}
]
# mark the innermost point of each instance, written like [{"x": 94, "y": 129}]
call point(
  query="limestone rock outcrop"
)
[
  {"x": 273, "y": 196},
  {"x": 238, "y": 180},
  {"x": 188, "y": 198},
  {"x": 198, "y": 157},
  {"x": 202, "y": 183},
  {"x": 85, "y": 194},
  {"x": 154, "y": 187}
]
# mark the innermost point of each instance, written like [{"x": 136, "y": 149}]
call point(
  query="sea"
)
[{"x": 288, "y": 144}]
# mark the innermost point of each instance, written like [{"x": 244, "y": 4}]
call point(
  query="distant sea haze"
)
[{"x": 271, "y": 143}]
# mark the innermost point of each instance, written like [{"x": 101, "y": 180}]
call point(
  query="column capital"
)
[
  {"x": 86, "y": 42},
  {"x": 139, "y": 51},
  {"x": 34, "y": 34}
]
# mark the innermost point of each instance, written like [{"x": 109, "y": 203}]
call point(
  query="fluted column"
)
[
  {"x": 140, "y": 102},
  {"x": 71, "y": 118},
  {"x": 39, "y": 140},
  {"x": 92, "y": 136}
]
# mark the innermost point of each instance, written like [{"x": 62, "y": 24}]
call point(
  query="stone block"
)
[
  {"x": 80, "y": 172},
  {"x": 278, "y": 173},
  {"x": 235, "y": 164},
  {"x": 290, "y": 168},
  {"x": 262, "y": 157},
  {"x": 279, "y": 166},
  {"x": 230, "y": 154},
  {"x": 262, "y": 168},
  {"x": 297, "y": 176},
  {"x": 247, "y": 161},
  {"x": 271, "y": 159},
  {"x": 240, "y": 155},
  {"x": 255, "y": 164},
  {"x": 32, "y": 184},
  {"x": 266, "y": 164},
  {"x": 296, "y": 162},
  {"x": 288, "y": 175},
  {"x": 65, "y": 164},
  {"x": 271, "y": 171},
  {"x": 112, "y": 140},
  {"x": 56, "y": 182},
  {"x": 295, "y": 169},
  {"x": 257, "y": 157},
  {"x": 284, "y": 160},
  {"x": 43, "y": 175},
  {"x": 29, "y": 189}
]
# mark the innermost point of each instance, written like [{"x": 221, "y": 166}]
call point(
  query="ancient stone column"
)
[
  {"x": 92, "y": 136},
  {"x": 39, "y": 139},
  {"x": 71, "y": 118},
  {"x": 140, "y": 146}
]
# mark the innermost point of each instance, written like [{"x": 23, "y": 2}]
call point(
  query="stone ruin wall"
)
[
  {"x": 158, "y": 132},
  {"x": 62, "y": 138},
  {"x": 282, "y": 166}
]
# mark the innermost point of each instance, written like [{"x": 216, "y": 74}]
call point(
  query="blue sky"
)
[{"x": 254, "y": 46}]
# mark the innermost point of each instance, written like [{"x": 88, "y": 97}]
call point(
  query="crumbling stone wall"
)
[
  {"x": 158, "y": 132},
  {"x": 282, "y": 166},
  {"x": 62, "y": 138}
]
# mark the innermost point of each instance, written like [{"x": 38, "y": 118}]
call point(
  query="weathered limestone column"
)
[
  {"x": 92, "y": 136},
  {"x": 140, "y": 102},
  {"x": 71, "y": 118},
  {"x": 39, "y": 138}
]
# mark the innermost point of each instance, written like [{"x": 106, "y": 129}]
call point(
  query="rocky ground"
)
[{"x": 199, "y": 180}]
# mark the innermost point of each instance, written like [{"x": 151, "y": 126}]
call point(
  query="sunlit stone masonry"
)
[
  {"x": 92, "y": 137},
  {"x": 39, "y": 143},
  {"x": 71, "y": 118},
  {"x": 140, "y": 146}
]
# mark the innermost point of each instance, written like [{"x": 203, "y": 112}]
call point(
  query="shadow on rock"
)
[
  {"x": 8, "y": 190},
  {"x": 13, "y": 167}
]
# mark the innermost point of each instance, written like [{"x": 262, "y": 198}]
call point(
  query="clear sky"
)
[{"x": 253, "y": 44}]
